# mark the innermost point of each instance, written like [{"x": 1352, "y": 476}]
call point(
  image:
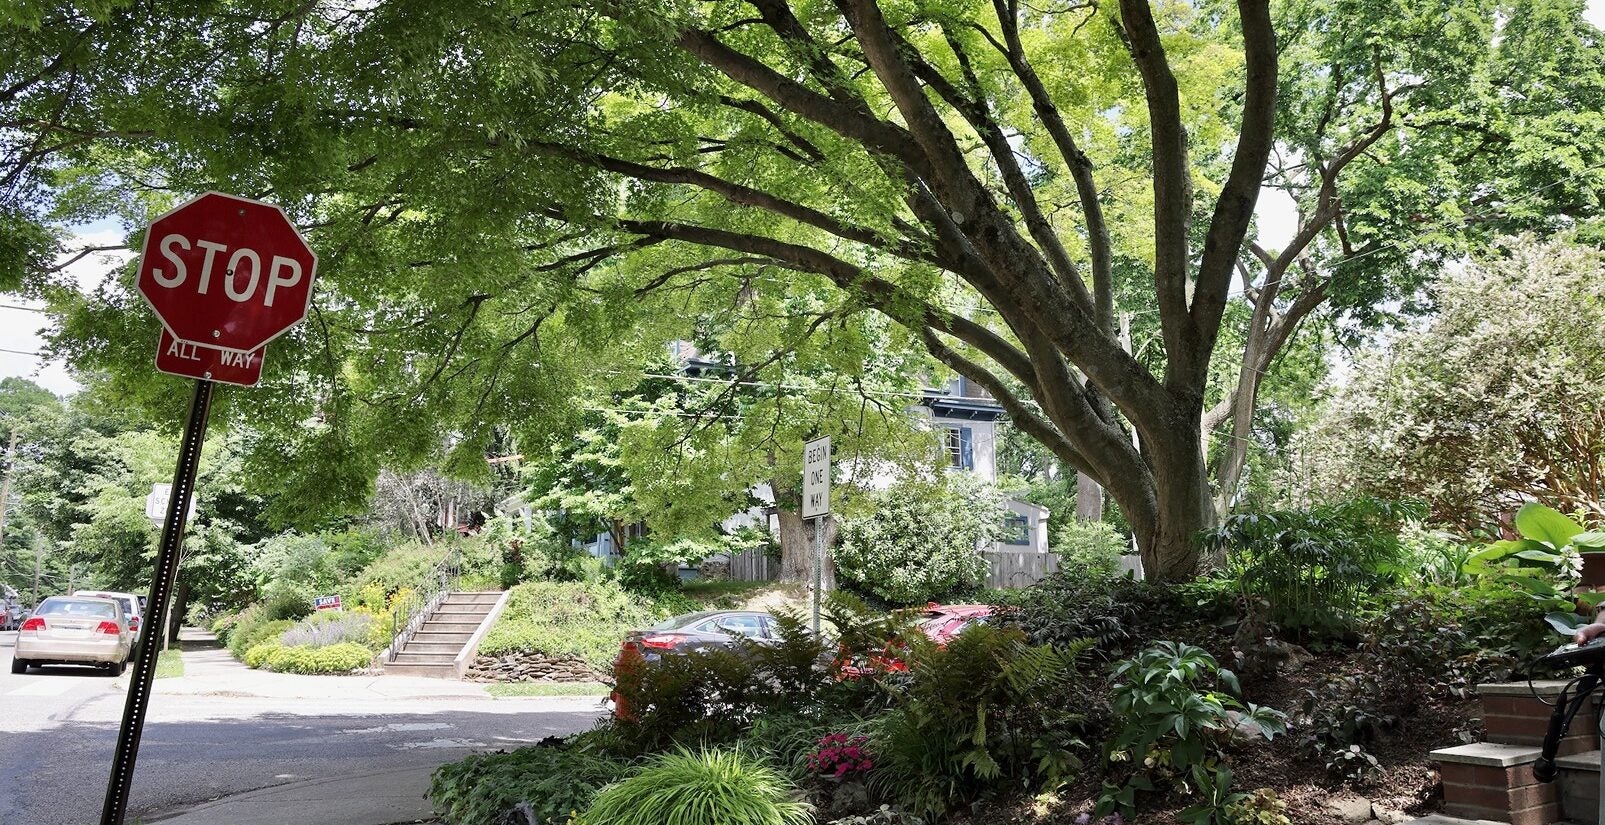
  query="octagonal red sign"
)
[{"x": 226, "y": 272}]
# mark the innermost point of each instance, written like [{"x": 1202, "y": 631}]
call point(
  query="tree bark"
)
[
  {"x": 175, "y": 618},
  {"x": 797, "y": 549},
  {"x": 1089, "y": 498}
]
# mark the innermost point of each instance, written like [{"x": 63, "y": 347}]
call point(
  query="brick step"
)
[
  {"x": 455, "y": 620},
  {"x": 462, "y": 610},
  {"x": 1489, "y": 780},
  {"x": 1516, "y": 713}
]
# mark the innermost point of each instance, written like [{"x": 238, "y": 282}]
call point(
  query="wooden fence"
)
[
  {"x": 1017, "y": 568},
  {"x": 754, "y": 566}
]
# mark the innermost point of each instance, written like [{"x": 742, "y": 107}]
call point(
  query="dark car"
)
[
  {"x": 694, "y": 631},
  {"x": 688, "y": 633}
]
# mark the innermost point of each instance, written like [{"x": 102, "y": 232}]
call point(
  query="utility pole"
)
[
  {"x": 5, "y": 486},
  {"x": 38, "y": 564}
]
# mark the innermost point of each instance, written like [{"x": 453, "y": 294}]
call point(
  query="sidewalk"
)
[
  {"x": 384, "y": 798},
  {"x": 209, "y": 670}
]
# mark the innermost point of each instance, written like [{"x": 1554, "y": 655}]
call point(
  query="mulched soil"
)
[{"x": 1407, "y": 782}]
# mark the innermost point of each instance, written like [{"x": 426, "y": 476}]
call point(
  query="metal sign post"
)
[
  {"x": 161, "y": 584},
  {"x": 816, "y": 506},
  {"x": 226, "y": 275}
]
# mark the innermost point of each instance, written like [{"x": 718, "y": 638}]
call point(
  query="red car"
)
[{"x": 940, "y": 623}]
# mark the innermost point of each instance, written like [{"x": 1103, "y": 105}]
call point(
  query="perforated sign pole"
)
[
  {"x": 816, "y": 506},
  {"x": 161, "y": 584}
]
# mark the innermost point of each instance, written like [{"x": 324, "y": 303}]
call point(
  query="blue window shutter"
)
[{"x": 966, "y": 448}]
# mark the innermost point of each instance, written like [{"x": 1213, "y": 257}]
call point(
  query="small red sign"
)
[
  {"x": 225, "y": 271},
  {"x": 190, "y": 360}
]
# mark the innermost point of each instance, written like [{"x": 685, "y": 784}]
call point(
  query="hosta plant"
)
[{"x": 1544, "y": 563}]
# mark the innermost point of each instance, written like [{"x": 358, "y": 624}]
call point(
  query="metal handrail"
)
[{"x": 409, "y": 616}]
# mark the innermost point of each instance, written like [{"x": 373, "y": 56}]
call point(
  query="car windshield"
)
[{"x": 77, "y": 607}]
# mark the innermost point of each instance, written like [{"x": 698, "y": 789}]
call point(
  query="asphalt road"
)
[{"x": 58, "y": 728}]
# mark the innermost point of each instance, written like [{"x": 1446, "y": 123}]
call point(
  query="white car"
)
[
  {"x": 133, "y": 607},
  {"x": 75, "y": 630}
]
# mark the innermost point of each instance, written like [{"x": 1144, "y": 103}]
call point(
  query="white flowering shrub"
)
[{"x": 1498, "y": 400}]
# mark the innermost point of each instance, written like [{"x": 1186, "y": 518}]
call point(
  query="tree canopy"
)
[{"x": 517, "y": 201}]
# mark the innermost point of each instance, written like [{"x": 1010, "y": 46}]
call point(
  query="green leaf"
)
[
  {"x": 1546, "y": 524},
  {"x": 1565, "y": 623},
  {"x": 1591, "y": 599},
  {"x": 1544, "y": 556},
  {"x": 1591, "y": 541}
]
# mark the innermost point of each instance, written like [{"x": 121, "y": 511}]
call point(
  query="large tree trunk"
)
[
  {"x": 175, "y": 618},
  {"x": 1181, "y": 504},
  {"x": 1089, "y": 498},
  {"x": 797, "y": 549}
]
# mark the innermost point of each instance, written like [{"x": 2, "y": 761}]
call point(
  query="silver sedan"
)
[{"x": 76, "y": 630}]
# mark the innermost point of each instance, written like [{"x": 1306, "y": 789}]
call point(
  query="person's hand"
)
[{"x": 1591, "y": 631}]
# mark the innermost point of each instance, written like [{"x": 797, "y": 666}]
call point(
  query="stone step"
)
[
  {"x": 473, "y": 598},
  {"x": 452, "y": 648},
  {"x": 460, "y": 637},
  {"x": 1579, "y": 786},
  {"x": 462, "y": 610},
  {"x": 405, "y": 658},
  {"x": 1440, "y": 819},
  {"x": 434, "y": 671}
]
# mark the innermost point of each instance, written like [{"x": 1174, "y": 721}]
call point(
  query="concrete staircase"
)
[{"x": 439, "y": 647}]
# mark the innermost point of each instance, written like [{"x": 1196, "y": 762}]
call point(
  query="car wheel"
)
[
  {"x": 19, "y": 665},
  {"x": 117, "y": 669}
]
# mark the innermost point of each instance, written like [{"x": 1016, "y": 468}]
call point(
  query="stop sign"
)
[{"x": 226, "y": 272}]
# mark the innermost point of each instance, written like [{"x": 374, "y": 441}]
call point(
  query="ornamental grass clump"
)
[
  {"x": 329, "y": 628},
  {"x": 705, "y": 787}
]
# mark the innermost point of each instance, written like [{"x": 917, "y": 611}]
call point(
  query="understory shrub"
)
[
  {"x": 985, "y": 712},
  {"x": 917, "y": 539},
  {"x": 584, "y": 619},
  {"x": 718, "y": 694},
  {"x": 1088, "y": 548},
  {"x": 248, "y": 634},
  {"x": 1414, "y": 652},
  {"x": 545, "y": 784},
  {"x": 704, "y": 787},
  {"x": 340, "y": 658},
  {"x": 1315, "y": 569},
  {"x": 1174, "y": 718},
  {"x": 330, "y": 627},
  {"x": 1117, "y": 614},
  {"x": 652, "y": 567}
]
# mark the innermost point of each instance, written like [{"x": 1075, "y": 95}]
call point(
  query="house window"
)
[
  {"x": 1016, "y": 530},
  {"x": 960, "y": 448}
]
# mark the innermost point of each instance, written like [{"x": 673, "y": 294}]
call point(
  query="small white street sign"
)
[
  {"x": 156, "y": 503},
  {"x": 816, "y": 478}
]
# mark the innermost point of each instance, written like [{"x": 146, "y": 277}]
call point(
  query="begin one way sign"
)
[{"x": 816, "y": 478}]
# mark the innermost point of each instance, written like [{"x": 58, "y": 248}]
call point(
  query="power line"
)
[
  {"x": 23, "y": 308},
  {"x": 23, "y": 352}
]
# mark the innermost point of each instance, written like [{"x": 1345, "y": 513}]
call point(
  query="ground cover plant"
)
[{"x": 583, "y": 618}]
